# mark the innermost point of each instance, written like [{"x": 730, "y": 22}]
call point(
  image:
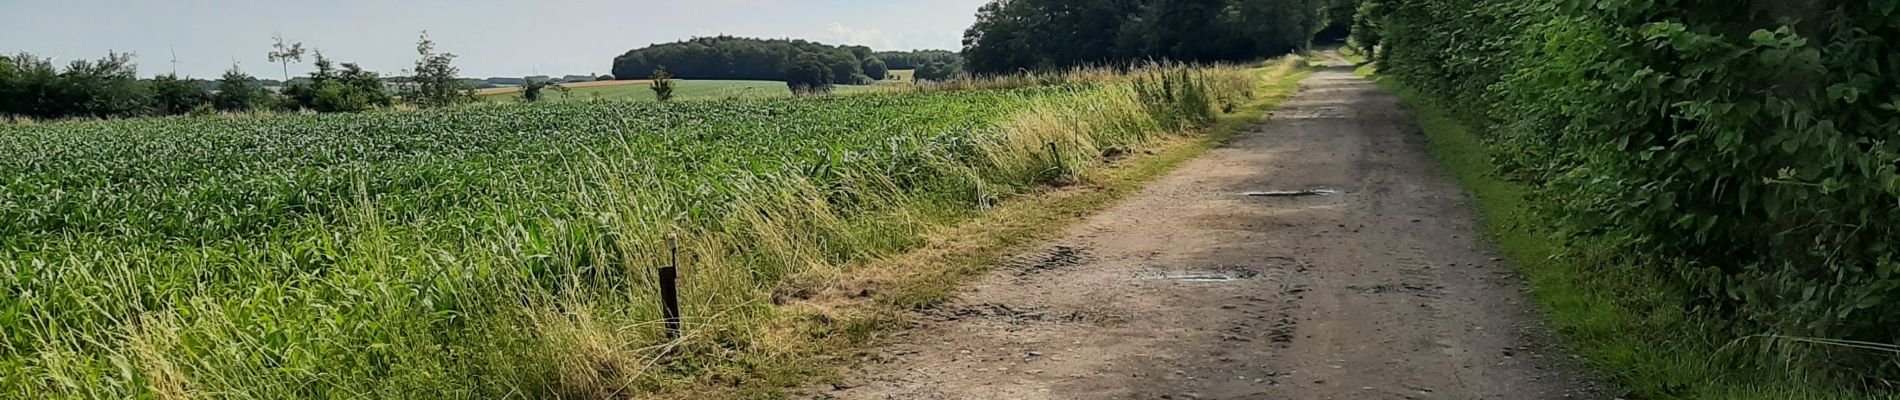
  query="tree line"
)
[
  {"x": 926, "y": 65},
  {"x": 1014, "y": 35},
  {"x": 803, "y": 65},
  {"x": 34, "y": 87}
]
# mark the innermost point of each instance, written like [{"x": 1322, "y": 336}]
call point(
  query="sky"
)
[{"x": 490, "y": 37}]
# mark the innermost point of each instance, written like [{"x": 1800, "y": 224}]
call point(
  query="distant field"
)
[
  {"x": 684, "y": 89},
  {"x": 905, "y": 76},
  {"x": 576, "y": 85}
]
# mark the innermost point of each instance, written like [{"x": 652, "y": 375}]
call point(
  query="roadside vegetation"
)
[{"x": 1703, "y": 194}]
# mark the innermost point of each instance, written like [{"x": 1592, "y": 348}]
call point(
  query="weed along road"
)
[{"x": 1319, "y": 255}]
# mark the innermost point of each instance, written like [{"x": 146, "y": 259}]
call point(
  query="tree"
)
[
  {"x": 105, "y": 88},
  {"x": 875, "y": 69},
  {"x": 1337, "y": 20},
  {"x": 283, "y": 53},
  {"x": 808, "y": 74},
  {"x": 531, "y": 91},
  {"x": 1014, "y": 35},
  {"x": 662, "y": 84},
  {"x": 330, "y": 89},
  {"x": 433, "y": 82},
  {"x": 896, "y": 60},
  {"x": 1368, "y": 27},
  {"x": 728, "y": 57},
  {"x": 237, "y": 92},
  {"x": 173, "y": 96},
  {"x": 937, "y": 71}
]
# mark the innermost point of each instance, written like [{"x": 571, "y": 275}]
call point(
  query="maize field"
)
[{"x": 497, "y": 251}]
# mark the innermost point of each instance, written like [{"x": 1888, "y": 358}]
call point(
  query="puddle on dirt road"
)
[
  {"x": 1228, "y": 273},
  {"x": 1292, "y": 193}
]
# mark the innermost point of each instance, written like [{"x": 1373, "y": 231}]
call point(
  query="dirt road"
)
[{"x": 1373, "y": 283}]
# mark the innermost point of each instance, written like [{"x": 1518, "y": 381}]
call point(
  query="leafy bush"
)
[
  {"x": 875, "y": 69},
  {"x": 329, "y": 89},
  {"x": 238, "y": 92},
  {"x": 938, "y": 71},
  {"x": 1744, "y": 150},
  {"x": 662, "y": 84}
]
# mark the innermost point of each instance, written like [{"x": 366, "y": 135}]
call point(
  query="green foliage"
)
[
  {"x": 875, "y": 69},
  {"x": 173, "y": 96},
  {"x": 238, "y": 92},
  {"x": 916, "y": 59},
  {"x": 1743, "y": 151},
  {"x": 1368, "y": 25},
  {"x": 1337, "y": 20},
  {"x": 662, "y": 84},
  {"x": 284, "y": 52},
  {"x": 808, "y": 74},
  {"x": 329, "y": 89},
  {"x": 531, "y": 90},
  {"x": 1176, "y": 95},
  {"x": 938, "y": 71},
  {"x": 433, "y": 82},
  {"x": 1013, "y": 35},
  {"x": 736, "y": 58},
  {"x": 109, "y": 87}
]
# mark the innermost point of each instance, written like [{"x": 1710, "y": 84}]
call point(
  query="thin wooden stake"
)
[
  {"x": 669, "y": 291},
  {"x": 1060, "y": 169}
]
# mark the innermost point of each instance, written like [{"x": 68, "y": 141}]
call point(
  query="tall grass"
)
[{"x": 501, "y": 251}]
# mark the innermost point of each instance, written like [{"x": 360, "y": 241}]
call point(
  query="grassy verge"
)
[
  {"x": 1626, "y": 323},
  {"x": 844, "y": 312}
]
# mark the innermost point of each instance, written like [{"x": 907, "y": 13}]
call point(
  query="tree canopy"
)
[
  {"x": 1010, "y": 35},
  {"x": 727, "y": 57}
]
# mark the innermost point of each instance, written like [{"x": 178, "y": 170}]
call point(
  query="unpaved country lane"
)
[{"x": 1192, "y": 289}]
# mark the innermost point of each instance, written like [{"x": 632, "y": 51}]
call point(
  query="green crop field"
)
[
  {"x": 685, "y": 90},
  {"x": 495, "y": 251}
]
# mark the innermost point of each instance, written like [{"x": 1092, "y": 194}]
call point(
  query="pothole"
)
[
  {"x": 1027, "y": 314},
  {"x": 1054, "y": 258},
  {"x": 1292, "y": 193},
  {"x": 1225, "y": 273}
]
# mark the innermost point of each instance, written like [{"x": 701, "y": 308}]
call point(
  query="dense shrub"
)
[
  {"x": 238, "y": 92},
  {"x": 938, "y": 71},
  {"x": 1744, "y": 150},
  {"x": 173, "y": 96},
  {"x": 332, "y": 89},
  {"x": 875, "y": 69}
]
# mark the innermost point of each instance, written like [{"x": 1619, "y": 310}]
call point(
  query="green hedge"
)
[{"x": 1745, "y": 150}]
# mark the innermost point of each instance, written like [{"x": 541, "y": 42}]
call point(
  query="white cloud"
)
[
  {"x": 873, "y": 37},
  {"x": 837, "y": 33}
]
